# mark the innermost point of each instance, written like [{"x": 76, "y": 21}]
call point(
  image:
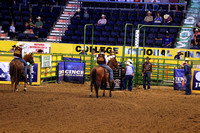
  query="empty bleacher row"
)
[
  {"x": 113, "y": 32},
  {"x": 19, "y": 14}
]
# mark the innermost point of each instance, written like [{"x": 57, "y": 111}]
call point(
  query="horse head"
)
[
  {"x": 29, "y": 58},
  {"x": 113, "y": 62}
]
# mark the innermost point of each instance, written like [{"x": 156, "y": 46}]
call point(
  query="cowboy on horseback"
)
[
  {"x": 18, "y": 53},
  {"x": 102, "y": 61}
]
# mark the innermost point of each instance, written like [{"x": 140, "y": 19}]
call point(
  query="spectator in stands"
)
[
  {"x": 12, "y": 31},
  {"x": 198, "y": 24},
  {"x": 174, "y": 1},
  {"x": 148, "y": 5},
  {"x": 149, "y": 18},
  {"x": 178, "y": 56},
  {"x": 155, "y": 6},
  {"x": 167, "y": 19},
  {"x": 86, "y": 15},
  {"x": 30, "y": 24},
  {"x": 27, "y": 29},
  {"x": 39, "y": 23},
  {"x": 167, "y": 41},
  {"x": 164, "y": 6},
  {"x": 194, "y": 42},
  {"x": 158, "y": 19},
  {"x": 137, "y": 5},
  {"x": 102, "y": 21},
  {"x": 77, "y": 14}
]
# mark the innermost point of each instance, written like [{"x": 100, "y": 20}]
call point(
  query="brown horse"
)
[
  {"x": 17, "y": 71},
  {"x": 99, "y": 76}
]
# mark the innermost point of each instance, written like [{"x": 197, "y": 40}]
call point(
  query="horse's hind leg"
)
[
  {"x": 97, "y": 88},
  {"x": 91, "y": 88},
  {"x": 104, "y": 87},
  {"x": 111, "y": 87}
]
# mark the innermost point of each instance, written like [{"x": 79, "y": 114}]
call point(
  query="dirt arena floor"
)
[{"x": 65, "y": 107}]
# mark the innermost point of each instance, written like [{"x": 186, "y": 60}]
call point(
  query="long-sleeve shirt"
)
[
  {"x": 187, "y": 69},
  {"x": 147, "y": 67},
  {"x": 148, "y": 18},
  {"x": 102, "y": 21}
]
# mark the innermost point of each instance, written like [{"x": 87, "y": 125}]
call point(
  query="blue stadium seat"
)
[
  {"x": 108, "y": 28},
  {"x": 163, "y": 30},
  {"x": 158, "y": 43},
  {"x": 112, "y": 40},
  {"x": 103, "y": 39},
  {"x": 25, "y": 13},
  {"x": 154, "y": 30},
  {"x": 117, "y": 28},
  {"x": 21, "y": 36},
  {"x": 132, "y": 18},
  {"x": 17, "y": 18},
  {"x": 114, "y": 34},
  {"x": 149, "y": 42},
  {"x": 152, "y": 35},
  {"x": 31, "y": 36},
  {"x": 16, "y": 13},
  {"x": 110, "y": 22},
  {"x": 97, "y": 33},
  {"x": 120, "y": 41},
  {"x": 105, "y": 33}
]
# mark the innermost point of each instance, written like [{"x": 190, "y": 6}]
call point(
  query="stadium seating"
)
[
  {"x": 113, "y": 32},
  {"x": 19, "y": 14}
]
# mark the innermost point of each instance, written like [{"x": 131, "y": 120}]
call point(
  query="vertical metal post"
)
[
  {"x": 132, "y": 42},
  {"x": 123, "y": 52},
  {"x": 144, "y": 40},
  {"x": 56, "y": 38},
  {"x": 85, "y": 37},
  {"x": 158, "y": 71}
]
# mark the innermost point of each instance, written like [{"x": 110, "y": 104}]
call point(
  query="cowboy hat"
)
[
  {"x": 14, "y": 46},
  {"x": 20, "y": 44},
  {"x": 149, "y": 12},
  {"x": 182, "y": 65},
  {"x": 38, "y": 17},
  {"x": 78, "y": 10},
  {"x": 196, "y": 30},
  {"x": 166, "y": 16},
  {"x": 148, "y": 58},
  {"x": 103, "y": 15},
  {"x": 179, "y": 51},
  {"x": 129, "y": 60},
  {"x": 128, "y": 63}
]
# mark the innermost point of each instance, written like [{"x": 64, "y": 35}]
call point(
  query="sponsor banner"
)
[
  {"x": 33, "y": 47},
  {"x": 5, "y": 76},
  {"x": 163, "y": 53},
  {"x": 61, "y": 71},
  {"x": 178, "y": 79},
  {"x": 74, "y": 72},
  {"x": 195, "y": 80}
]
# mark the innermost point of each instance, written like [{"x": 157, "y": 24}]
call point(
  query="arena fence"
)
[{"x": 162, "y": 75}]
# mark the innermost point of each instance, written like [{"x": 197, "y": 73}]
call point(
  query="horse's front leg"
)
[{"x": 25, "y": 82}]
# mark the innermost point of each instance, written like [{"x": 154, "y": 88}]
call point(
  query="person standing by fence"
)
[
  {"x": 129, "y": 73},
  {"x": 187, "y": 71},
  {"x": 147, "y": 73}
]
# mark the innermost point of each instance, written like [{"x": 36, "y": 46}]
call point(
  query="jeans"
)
[
  {"x": 29, "y": 76},
  {"x": 25, "y": 64},
  {"x": 148, "y": 76},
  {"x": 128, "y": 78},
  {"x": 188, "y": 86},
  {"x": 148, "y": 6},
  {"x": 109, "y": 69}
]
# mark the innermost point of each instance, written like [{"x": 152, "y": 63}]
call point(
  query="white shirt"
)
[
  {"x": 102, "y": 21},
  {"x": 129, "y": 70},
  {"x": 104, "y": 56}
]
